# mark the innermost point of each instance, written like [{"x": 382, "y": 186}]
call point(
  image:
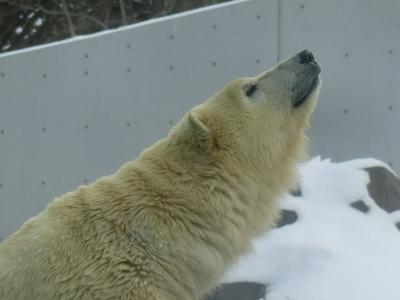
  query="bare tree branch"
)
[
  {"x": 22, "y": 6},
  {"x": 51, "y": 12},
  {"x": 123, "y": 11},
  {"x": 64, "y": 7},
  {"x": 27, "y": 23}
]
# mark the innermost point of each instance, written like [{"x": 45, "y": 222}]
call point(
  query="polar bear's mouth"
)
[{"x": 303, "y": 98}]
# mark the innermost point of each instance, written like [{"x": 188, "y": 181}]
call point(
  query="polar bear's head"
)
[{"x": 258, "y": 120}]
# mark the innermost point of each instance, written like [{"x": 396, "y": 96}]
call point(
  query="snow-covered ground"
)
[{"x": 333, "y": 251}]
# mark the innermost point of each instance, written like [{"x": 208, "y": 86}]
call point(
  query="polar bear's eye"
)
[{"x": 249, "y": 89}]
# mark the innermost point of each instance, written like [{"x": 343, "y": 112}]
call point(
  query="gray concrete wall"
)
[
  {"x": 358, "y": 46},
  {"x": 77, "y": 110}
]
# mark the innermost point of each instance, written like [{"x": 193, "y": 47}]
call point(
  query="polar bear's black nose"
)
[{"x": 305, "y": 57}]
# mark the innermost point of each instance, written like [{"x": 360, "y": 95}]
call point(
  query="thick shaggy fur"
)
[{"x": 168, "y": 224}]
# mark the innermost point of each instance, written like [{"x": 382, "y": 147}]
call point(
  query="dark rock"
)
[
  {"x": 238, "y": 291},
  {"x": 384, "y": 188},
  {"x": 361, "y": 206},
  {"x": 287, "y": 217},
  {"x": 398, "y": 225},
  {"x": 296, "y": 193}
]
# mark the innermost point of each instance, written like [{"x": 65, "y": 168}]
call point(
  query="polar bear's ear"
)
[{"x": 200, "y": 134}]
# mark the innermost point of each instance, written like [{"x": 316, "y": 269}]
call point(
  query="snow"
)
[
  {"x": 332, "y": 251},
  {"x": 18, "y": 30},
  {"x": 395, "y": 216},
  {"x": 38, "y": 22}
]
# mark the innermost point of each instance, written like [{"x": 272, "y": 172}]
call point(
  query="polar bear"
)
[{"x": 168, "y": 224}]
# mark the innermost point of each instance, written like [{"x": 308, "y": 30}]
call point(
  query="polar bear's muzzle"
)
[
  {"x": 306, "y": 71},
  {"x": 291, "y": 82}
]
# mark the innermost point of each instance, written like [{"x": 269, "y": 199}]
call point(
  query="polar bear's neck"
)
[{"x": 202, "y": 215}]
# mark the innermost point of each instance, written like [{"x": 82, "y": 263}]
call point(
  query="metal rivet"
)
[
  {"x": 302, "y": 6},
  {"x": 86, "y": 55},
  {"x": 44, "y": 75},
  {"x": 86, "y": 73},
  {"x": 214, "y": 63},
  {"x": 171, "y": 67},
  {"x": 214, "y": 26},
  {"x": 346, "y": 55},
  {"x": 171, "y": 122},
  {"x": 171, "y": 36},
  {"x": 258, "y": 61},
  {"x": 390, "y": 107},
  {"x": 345, "y": 111},
  {"x": 44, "y": 129}
]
